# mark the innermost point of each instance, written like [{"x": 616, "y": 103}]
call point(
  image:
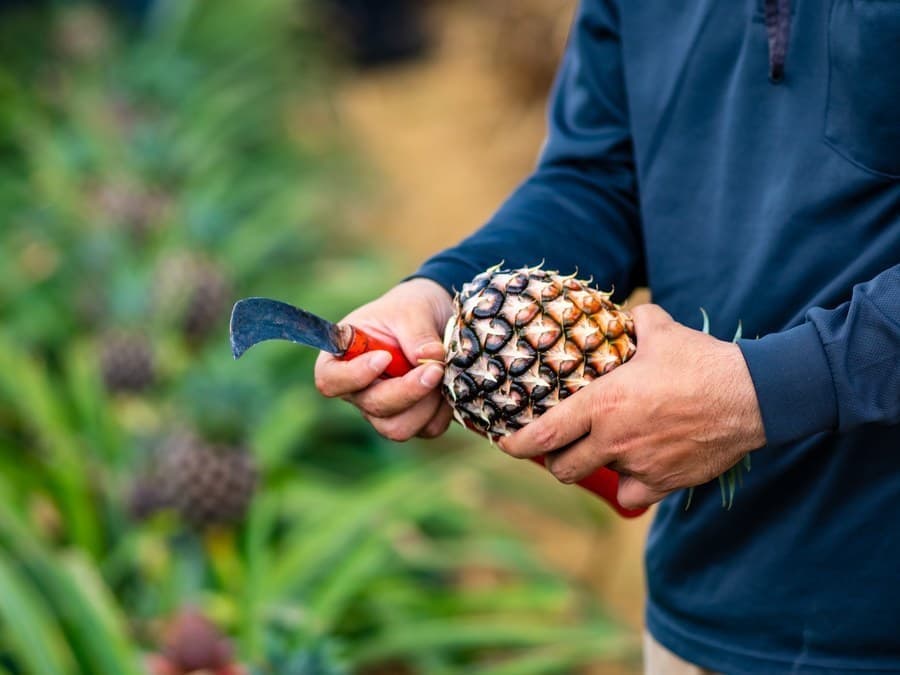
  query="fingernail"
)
[
  {"x": 432, "y": 376},
  {"x": 379, "y": 361}
]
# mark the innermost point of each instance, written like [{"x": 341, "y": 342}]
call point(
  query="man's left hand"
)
[{"x": 681, "y": 412}]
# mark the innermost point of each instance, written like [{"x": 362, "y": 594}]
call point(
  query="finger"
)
[
  {"x": 408, "y": 424},
  {"x": 633, "y": 494},
  {"x": 577, "y": 461},
  {"x": 438, "y": 424},
  {"x": 339, "y": 378},
  {"x": 555, "y": 429},
  {"x": 419, "y": 338},
  {"x": 388, "y": 398},
  {"x": 649, "y": 317},
  {"x": 430, "y": 350}
]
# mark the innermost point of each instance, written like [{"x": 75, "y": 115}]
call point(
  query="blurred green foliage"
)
[{"x": 137, "y": 165}]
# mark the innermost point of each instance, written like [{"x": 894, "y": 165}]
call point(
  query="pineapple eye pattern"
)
[{"x": 522, "y": 340}]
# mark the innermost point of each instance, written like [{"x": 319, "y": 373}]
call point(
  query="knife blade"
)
[{"x": 255, "y": 320}]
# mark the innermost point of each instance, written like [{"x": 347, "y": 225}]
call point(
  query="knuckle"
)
[
  {"x": 565, "y": 473},
  {"x": 544, "y": 437},
  {"x": 324, "y": 385},
  {"x": 639, "y": 311},
  {"x": 373, "y": 407},
  {"x": 638, "y": 465},
  {"x": 393, "y": 430},
  {"x": 608, "y": 402},
  {"x": 618, "y": 451}
]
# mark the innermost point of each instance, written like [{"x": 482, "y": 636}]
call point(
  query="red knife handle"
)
[
  {"x": 361, "y": 342},
  {"x": 603, "y": 482}
]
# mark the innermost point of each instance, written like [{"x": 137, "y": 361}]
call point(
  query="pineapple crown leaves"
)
[{"x": 732, "y": 479}]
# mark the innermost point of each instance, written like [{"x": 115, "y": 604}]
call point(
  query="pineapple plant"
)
[
  {"x": 520, "y": 341},
  {"x": 207, "y": 483}
]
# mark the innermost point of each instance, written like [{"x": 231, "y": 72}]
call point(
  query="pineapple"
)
[
  {"x": 192, "y": 644},
  {"x": 208, "y": 304},
  {"x": 194, "y": 292},
  {"x": 207, "y": 483},
  {"x": 520, "y": 341},
  {"x": 126, "y": 362}
]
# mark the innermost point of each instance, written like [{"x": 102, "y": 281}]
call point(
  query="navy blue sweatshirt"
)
[{"x": 744, "y": 156}]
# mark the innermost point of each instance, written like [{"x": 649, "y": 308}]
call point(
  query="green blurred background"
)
[{"x": 165, "y": 509}]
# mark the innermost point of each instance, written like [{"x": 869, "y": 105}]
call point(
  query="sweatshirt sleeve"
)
[
  {"x": 838, "y": 370},
  {"x": 579, "y": 208}
]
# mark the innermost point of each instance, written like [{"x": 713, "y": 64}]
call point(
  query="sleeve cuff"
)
[{"x": 793, "y": 383}]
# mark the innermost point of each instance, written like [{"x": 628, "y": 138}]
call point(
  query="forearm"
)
[{"x": 567, "y": 219}]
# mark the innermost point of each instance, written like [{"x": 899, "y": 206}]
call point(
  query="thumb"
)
[
  {"x": 648, "y": 319},
  {"x": 420, "y": 334},
  {"x": 650, "y": 315},
  {"x": 413, "y": 314},
  {"x": 421, "y": 340}
]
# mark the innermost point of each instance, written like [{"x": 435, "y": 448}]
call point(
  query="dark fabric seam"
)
[{"x": 778, "y": 29}]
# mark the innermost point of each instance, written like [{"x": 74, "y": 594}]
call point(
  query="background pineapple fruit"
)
[
  {"x": 522, "y": 340},
  {"x": 208, "y": 303},
  {"x": 194, "y": 292},
  {"x": 126, "y": 362},
  {"x": 136, "y": 209},
  {"x": 191, "y": 644},
  {"x": 207, "y": 483}
]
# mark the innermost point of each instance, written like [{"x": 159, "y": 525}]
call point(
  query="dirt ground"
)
[{"x": 450, "y": 136}]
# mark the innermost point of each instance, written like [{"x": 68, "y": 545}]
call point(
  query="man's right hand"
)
[{"x": 412, "y": 315}]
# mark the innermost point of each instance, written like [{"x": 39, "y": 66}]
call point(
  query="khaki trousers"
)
[{"x": 660, "y": 661}]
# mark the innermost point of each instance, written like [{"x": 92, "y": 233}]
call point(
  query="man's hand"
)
[
  {"x": 681, "y": 412},
  {"x": 412, "y": 315}
]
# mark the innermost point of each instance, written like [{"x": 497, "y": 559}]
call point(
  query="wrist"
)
[{"x": 745, "y": 403}]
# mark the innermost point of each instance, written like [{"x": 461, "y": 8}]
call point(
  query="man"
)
[{"x": 745, "y": 157}]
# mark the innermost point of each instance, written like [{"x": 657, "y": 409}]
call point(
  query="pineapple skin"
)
[
  {"x": 520, "y": 341},
  {"x": 207, "y": 483}
]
